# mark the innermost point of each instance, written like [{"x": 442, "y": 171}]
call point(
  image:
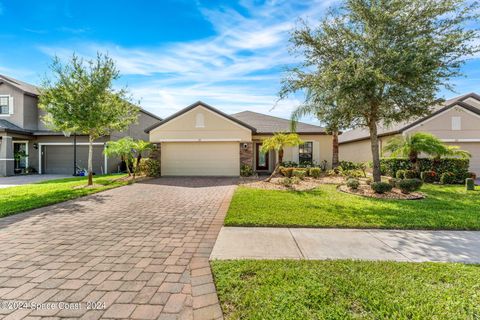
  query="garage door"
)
[
  {"x": 59, "y": 159},
  {"x": 474, "y": 149},
  {"x": 200, "y": 158}
]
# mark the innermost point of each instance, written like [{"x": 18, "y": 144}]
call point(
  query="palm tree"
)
[
  {"x": 317, "y": 105},
  {"x": 278, "y": 142},
  {"x": 141, "y": 147},
  {"x": 411, "y": 146},
  {"x": 121, "y": 148}
]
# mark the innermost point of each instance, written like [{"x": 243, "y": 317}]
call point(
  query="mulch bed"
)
[
  {"x": 366, "y": 191},
  {"x": 276, "y": 183}
]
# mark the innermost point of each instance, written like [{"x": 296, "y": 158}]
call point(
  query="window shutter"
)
[{"x": 10, "y": 105}]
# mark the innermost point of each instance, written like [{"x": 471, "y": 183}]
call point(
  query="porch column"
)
[{"x": 7, "y": 163}]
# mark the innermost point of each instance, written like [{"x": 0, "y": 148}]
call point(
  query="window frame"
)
[
  {"x": 9, "y": 99},
  {"x": 305, "y": 149}
]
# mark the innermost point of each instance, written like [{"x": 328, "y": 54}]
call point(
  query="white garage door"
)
[
  {"x": 474, "y": 149},
  {"x": 200, "y": 158}
]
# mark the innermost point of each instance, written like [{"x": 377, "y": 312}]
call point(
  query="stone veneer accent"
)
[{"x": 246, "y": 154}]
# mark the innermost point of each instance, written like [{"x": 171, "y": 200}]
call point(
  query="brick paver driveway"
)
[{"x": 139, "y": 251}]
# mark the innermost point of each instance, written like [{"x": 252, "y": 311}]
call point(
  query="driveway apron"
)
[{"x": 138, "y": 252}]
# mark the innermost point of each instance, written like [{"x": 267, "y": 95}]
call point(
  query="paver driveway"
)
[{"x": 141, "y": 250}]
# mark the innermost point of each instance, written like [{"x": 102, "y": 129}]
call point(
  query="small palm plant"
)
[
  {"x": 411, "y": 146},
  {"x": 121, "y": 148},
  {"x": 278, "y": 142}
]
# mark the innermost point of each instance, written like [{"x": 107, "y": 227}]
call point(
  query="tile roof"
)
[
  {"x": 383, "y": 130},
  {"x": 269, "y": 124}
]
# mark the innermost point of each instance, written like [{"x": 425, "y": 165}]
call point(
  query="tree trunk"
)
[
  {"x": 335, "y": 162},
  {"x": 125, "y": 159},
  {"x": 377, "y": 176},
  {"x": 90, "y": 164},
  {"x": 277, "y": 165}
]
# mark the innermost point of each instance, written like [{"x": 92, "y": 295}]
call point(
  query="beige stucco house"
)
[
  {"x": 456, "y": 122},
  {"x": 203, "y": 141}
]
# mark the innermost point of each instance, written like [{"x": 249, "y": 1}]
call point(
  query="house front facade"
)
[
  {"x": 26, "y": 144},
  {"x": 200, "y": 140},
  {"x": 456, "y": 122}
]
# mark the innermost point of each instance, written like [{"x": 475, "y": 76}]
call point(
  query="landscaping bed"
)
[
  {"x": 448, "y": 207},
  {"x": 366, "y": 191},
  {"x": 278, "y": 182},
  {"x": 22, "y": 198},
  {"x": 346, "y": 289}
]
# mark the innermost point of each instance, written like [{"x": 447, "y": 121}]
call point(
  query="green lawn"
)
[
  {"x": 446, "y": 207},
  {"x": 22, "y": 198},
  {"x": 345, "y": 289}
]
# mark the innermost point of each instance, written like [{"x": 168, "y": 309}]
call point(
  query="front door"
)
[
  {"x": 261, "y": 158},
  {"x": 20, "y": 154}
]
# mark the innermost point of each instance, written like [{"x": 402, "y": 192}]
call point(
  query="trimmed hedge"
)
[
  {"x": 459, "y": 167},
  {"x": 381, "y": 187},
  {"x": 149, "y": 167},
  {"x": 429, "y": 176},
  {"x": 315, "y": 172},
  {"x": 409, "y": 185},
  {"x": 299, "y": 173},
  {"x": 447, "y": 178},
  {"x": 353, "y": 183}
]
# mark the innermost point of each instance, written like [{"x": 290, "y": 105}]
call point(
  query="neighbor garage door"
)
[
  {"x": 59, "y": 159},
  {"x": 474, "y": 149},
  {"x": 200, "y": 158}
]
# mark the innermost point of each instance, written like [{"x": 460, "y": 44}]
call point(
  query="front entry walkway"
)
[
  {"x": 136, "y": 252},
  {"x": 321, "y": 244},
  {"x": 13, "y": 181}
]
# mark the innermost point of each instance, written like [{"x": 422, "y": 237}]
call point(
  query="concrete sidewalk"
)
[{"x": 361, "y": 244}]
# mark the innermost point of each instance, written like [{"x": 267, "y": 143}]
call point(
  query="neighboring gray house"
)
[{"x": 22, "y": 131}]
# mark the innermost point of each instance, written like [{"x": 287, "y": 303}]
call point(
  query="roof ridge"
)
[{"x": 267, "y": 115}]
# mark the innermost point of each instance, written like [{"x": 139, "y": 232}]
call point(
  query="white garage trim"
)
[
  {"x": 105, "y": 161},
  {"x": 460, "y": 140},
  {"x": 200, "y": 140}
]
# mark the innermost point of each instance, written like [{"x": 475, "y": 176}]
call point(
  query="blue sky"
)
[{"x": 172, "y": 53}]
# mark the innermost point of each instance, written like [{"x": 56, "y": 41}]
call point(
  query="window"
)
[
  {"x": 4, "y": 105},
  {"x": 456, "y": 123},
  {"x": 200, "y": 121},
  {"x": 305, "y": 153}
]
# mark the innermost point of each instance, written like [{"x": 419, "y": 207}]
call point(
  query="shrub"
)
[
  {"x": 149, "y": 167},
  {"x": 348, "y": 165},
  {"x": 315, "y": 172},
  {"x": 400, "y": 174},
  {"x": 246, "y": 170},
  {"x": 457, "y": 166},
  {"x": 287, "y": 172},
  {"x": 410, "y": 174},
  {"x": 409, "y": 185},
  {"x": 393, "y": 182},
  {"x": 381, "y": 187},
  {"x": 353, "y": 183},
  {"x": 469, "y": 184},
  {"x": 429, "y": 176},
  {"x": 289, "y": 164},
  {"x": 352, "y": 173},
  {"x": 299, "y": 173},
  {"x": 288, "y": 182},
  {"x": 332, "y": 172},
  {"x": 448, "y": 178}
]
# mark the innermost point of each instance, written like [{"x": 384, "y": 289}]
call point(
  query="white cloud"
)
[{"x": 239, "y": 68}]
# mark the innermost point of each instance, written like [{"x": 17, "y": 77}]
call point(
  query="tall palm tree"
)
[
  {"x": 411, "y": 146},
  {"x": 317, "y": 104},
  {"x": 278, "y": 142}
]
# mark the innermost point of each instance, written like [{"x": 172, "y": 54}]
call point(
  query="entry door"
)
[{"x": 261, "y": 158}]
